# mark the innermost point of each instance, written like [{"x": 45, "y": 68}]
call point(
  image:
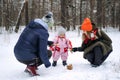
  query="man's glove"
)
[
  {"x": 50, "y": 43},
  {"x": 48, "y": 65}
]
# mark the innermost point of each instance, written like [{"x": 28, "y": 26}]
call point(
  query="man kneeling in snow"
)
[{"x": 31, "y": 48}]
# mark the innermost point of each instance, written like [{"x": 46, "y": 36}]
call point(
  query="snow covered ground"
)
[{"x": 11, "y": 69}]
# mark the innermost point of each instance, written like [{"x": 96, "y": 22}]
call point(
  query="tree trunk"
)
[
  {"x": 19, "y": 17},
  {"x": 113, "y": 15},
  {"x": 103, "y": 14},
  {"x": 63, "y": 13},
  {"x": 118, "y": 15},
  {"x": 92, "y": 4},
  {"x": 74, "y": 14},
  {"x": 2, "y": 11},
  {"x": 26, "y": 13},
  {"x": 99, "y": 15},
  {"x": 80, "y": 12}
]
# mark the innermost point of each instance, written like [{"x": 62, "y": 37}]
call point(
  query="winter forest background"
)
[{"x": 68, "y": 13}]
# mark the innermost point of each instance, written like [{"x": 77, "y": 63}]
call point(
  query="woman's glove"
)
[
  {"x": 77, "y": 49},
  {"x": 74, "y": 49}
]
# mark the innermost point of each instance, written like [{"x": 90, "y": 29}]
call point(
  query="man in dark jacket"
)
[
  {"x": 96, "y": 45},
  {"x": 31, "y": 47}
]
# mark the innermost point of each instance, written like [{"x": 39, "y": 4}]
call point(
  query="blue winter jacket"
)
[{"x": 32, "y": 42}]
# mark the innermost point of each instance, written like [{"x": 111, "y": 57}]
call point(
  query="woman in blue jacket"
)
[{"x": 31, "y": 47}]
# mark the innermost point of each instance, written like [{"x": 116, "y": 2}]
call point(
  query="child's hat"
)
[{"x": 61, "y": 30}]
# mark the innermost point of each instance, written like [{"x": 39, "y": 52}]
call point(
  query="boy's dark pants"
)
[{"x": 36, "y": 61}]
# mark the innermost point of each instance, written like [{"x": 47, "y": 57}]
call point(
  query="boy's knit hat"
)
[{"x": 48, "y": 18}]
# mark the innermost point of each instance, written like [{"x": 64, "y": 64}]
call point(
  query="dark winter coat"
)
[
  {"x": 103, "y": 41},
  {"x": 32, "y": 43}
]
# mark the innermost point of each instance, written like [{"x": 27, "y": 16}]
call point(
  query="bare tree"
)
[
  {"x": 103, "y": 14},
  {"x": 98, "y": 14},
  {"x": 19, "y": 17},
  {"x": 2, "y": 13},
  {"x": 118, "y": 14},
  {"x": 92, "y": 5},
  {"x": 26, "y": 12},
  {"x": 80, "y": 11}
]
